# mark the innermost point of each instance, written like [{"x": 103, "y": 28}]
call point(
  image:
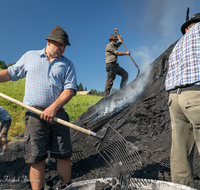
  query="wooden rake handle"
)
[
  {"x": 58, "y": 120},
  {"x": 117, "y": 33}
]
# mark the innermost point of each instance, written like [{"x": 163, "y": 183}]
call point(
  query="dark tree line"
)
[
  {"x": 92, "y": 92},
  {"x": 4, "y": 66}
]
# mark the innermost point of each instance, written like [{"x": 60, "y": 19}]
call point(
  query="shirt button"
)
[
  {"x": 49, "y": 77},
  {"x": 50, "y": 96},
  {"x": 50, "y": 85}
]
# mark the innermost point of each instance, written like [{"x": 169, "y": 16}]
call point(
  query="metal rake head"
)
[{"x": 120, "y": 154}]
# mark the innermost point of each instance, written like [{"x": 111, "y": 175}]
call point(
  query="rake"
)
[
  {"x": 120, "y": 154},
  {"x": 114, "y": 149}
]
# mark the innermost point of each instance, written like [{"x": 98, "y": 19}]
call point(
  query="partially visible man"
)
[
  {"x": 183, "y": 84},
  {"x": 5, "y": 122},
  {"x": 112, "y": 67},
  {"x": 50, "y": 84}
]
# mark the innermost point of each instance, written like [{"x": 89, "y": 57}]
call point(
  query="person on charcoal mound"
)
[
  {"x": 183, "y": 84},
  {"x": 112, "y": 67},
  {"x": 50, "y": 84},
  {"x": 5, "y": 122}
]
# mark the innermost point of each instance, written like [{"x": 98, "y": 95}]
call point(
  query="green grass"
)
[
  {"x": 16, "y": 91},
  {"x": 77, "y": 105}
]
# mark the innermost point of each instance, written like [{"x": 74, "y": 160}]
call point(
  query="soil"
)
[{"x": 142, "y": 119}]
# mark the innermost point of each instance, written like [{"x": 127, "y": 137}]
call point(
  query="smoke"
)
[{"x": 161, "y": 22}]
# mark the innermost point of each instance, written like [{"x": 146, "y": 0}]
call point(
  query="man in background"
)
[
  {"x": 183, "y": 84},
  {"x": 5, "y": 122},
  {"x": 50, "y": 84},
  {"x": 112, "y": 67}
]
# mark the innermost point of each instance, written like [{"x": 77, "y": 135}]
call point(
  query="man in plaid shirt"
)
[{"x": 183, "y": 84}]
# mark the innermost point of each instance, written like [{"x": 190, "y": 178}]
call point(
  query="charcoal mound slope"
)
[{"x": 143, "y": 120}]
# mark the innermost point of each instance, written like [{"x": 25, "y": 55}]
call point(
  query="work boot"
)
[
  {"x": 60, "y": 185},
  {"x": 167, "y": 176}
]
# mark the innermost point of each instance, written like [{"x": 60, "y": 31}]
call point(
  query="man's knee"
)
[{"x": 38, "y": 165}]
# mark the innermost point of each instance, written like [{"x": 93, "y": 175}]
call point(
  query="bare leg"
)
[
  {"x": 4, "y": 142},
  {"x": 64, "y": 170},
  {"x": 37, "y": 175}
]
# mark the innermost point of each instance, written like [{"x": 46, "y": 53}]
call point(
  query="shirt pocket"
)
[{"x": 191, "y": 103}]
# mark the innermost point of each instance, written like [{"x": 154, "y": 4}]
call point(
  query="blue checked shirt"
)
[
  {"x": 184, "y": 61},
  {"x": 44, "y": 82}
]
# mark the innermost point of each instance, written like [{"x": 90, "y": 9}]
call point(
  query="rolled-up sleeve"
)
[
  {"x": 70, "y": 80},
  {"x": 110, "y": 48},
  {"x": 17, "y": 71}
]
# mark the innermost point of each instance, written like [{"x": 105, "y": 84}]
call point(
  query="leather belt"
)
[
  {"x": 112, "y": 63},
  {"x": 185, "y": 88},
  {"x": 39, "y": 108}
]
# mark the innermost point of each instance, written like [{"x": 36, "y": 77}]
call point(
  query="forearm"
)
[
  {"x": 49, "y": 113},
  {"x": 63, "y": 99},
  {"x": 123, "y": 53},
  {"x": 4, "y": 76}
]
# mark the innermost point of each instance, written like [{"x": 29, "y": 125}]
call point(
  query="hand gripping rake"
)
[
  {"x": 114, "y": 149},
  {"x": 117, "y": 33}
]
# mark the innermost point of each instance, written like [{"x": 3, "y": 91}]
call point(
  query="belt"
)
[
  {"x": 39, "y": 108},
  {"x": 112, "y": 63},
  {"x": 185, "y": 88}
]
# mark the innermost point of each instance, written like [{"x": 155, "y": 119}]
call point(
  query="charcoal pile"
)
[
  {"x": 143, "y": 120},
  {"x": 138, "y": 113}
]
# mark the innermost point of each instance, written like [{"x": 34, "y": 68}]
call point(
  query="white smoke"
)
[{"x": 159, "y": 18}]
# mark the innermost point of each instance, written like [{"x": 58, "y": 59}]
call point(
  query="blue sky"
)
[{"x": 148, "y": 28}]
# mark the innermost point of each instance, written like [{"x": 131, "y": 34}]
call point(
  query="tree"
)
[
  {"x": 113, "y": 90},
  {"x": 80, "y": 87},
  {"x": 10, "y": 64},
  {"x": 91, "y": 92},
  {"x": 3, "y": 65},
  {"x": 95, "y": 92}
]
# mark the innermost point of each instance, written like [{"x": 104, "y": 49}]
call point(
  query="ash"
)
[{"x": 138, "y": 112}]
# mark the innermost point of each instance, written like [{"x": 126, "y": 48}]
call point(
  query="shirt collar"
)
[{"x": 43, "y": 53}]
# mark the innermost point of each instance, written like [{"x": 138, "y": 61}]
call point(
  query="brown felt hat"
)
[
  {"x": 59, "y": 35},
  {"x": 113, "y": 37},
  {"x": 195, "y": 18}
]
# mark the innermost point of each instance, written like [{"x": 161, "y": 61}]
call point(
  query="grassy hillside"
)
[{"x": 78, "y": 105}]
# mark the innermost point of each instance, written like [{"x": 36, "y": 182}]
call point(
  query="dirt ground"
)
[{"x": 144, "y": 121}]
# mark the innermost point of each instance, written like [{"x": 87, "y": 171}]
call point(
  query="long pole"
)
[
  {"x": 117, "y": 33},
  {"x": 58, "y": 120}
]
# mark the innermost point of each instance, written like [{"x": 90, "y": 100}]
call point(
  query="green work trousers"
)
[{"x": 184, "y": 110}]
